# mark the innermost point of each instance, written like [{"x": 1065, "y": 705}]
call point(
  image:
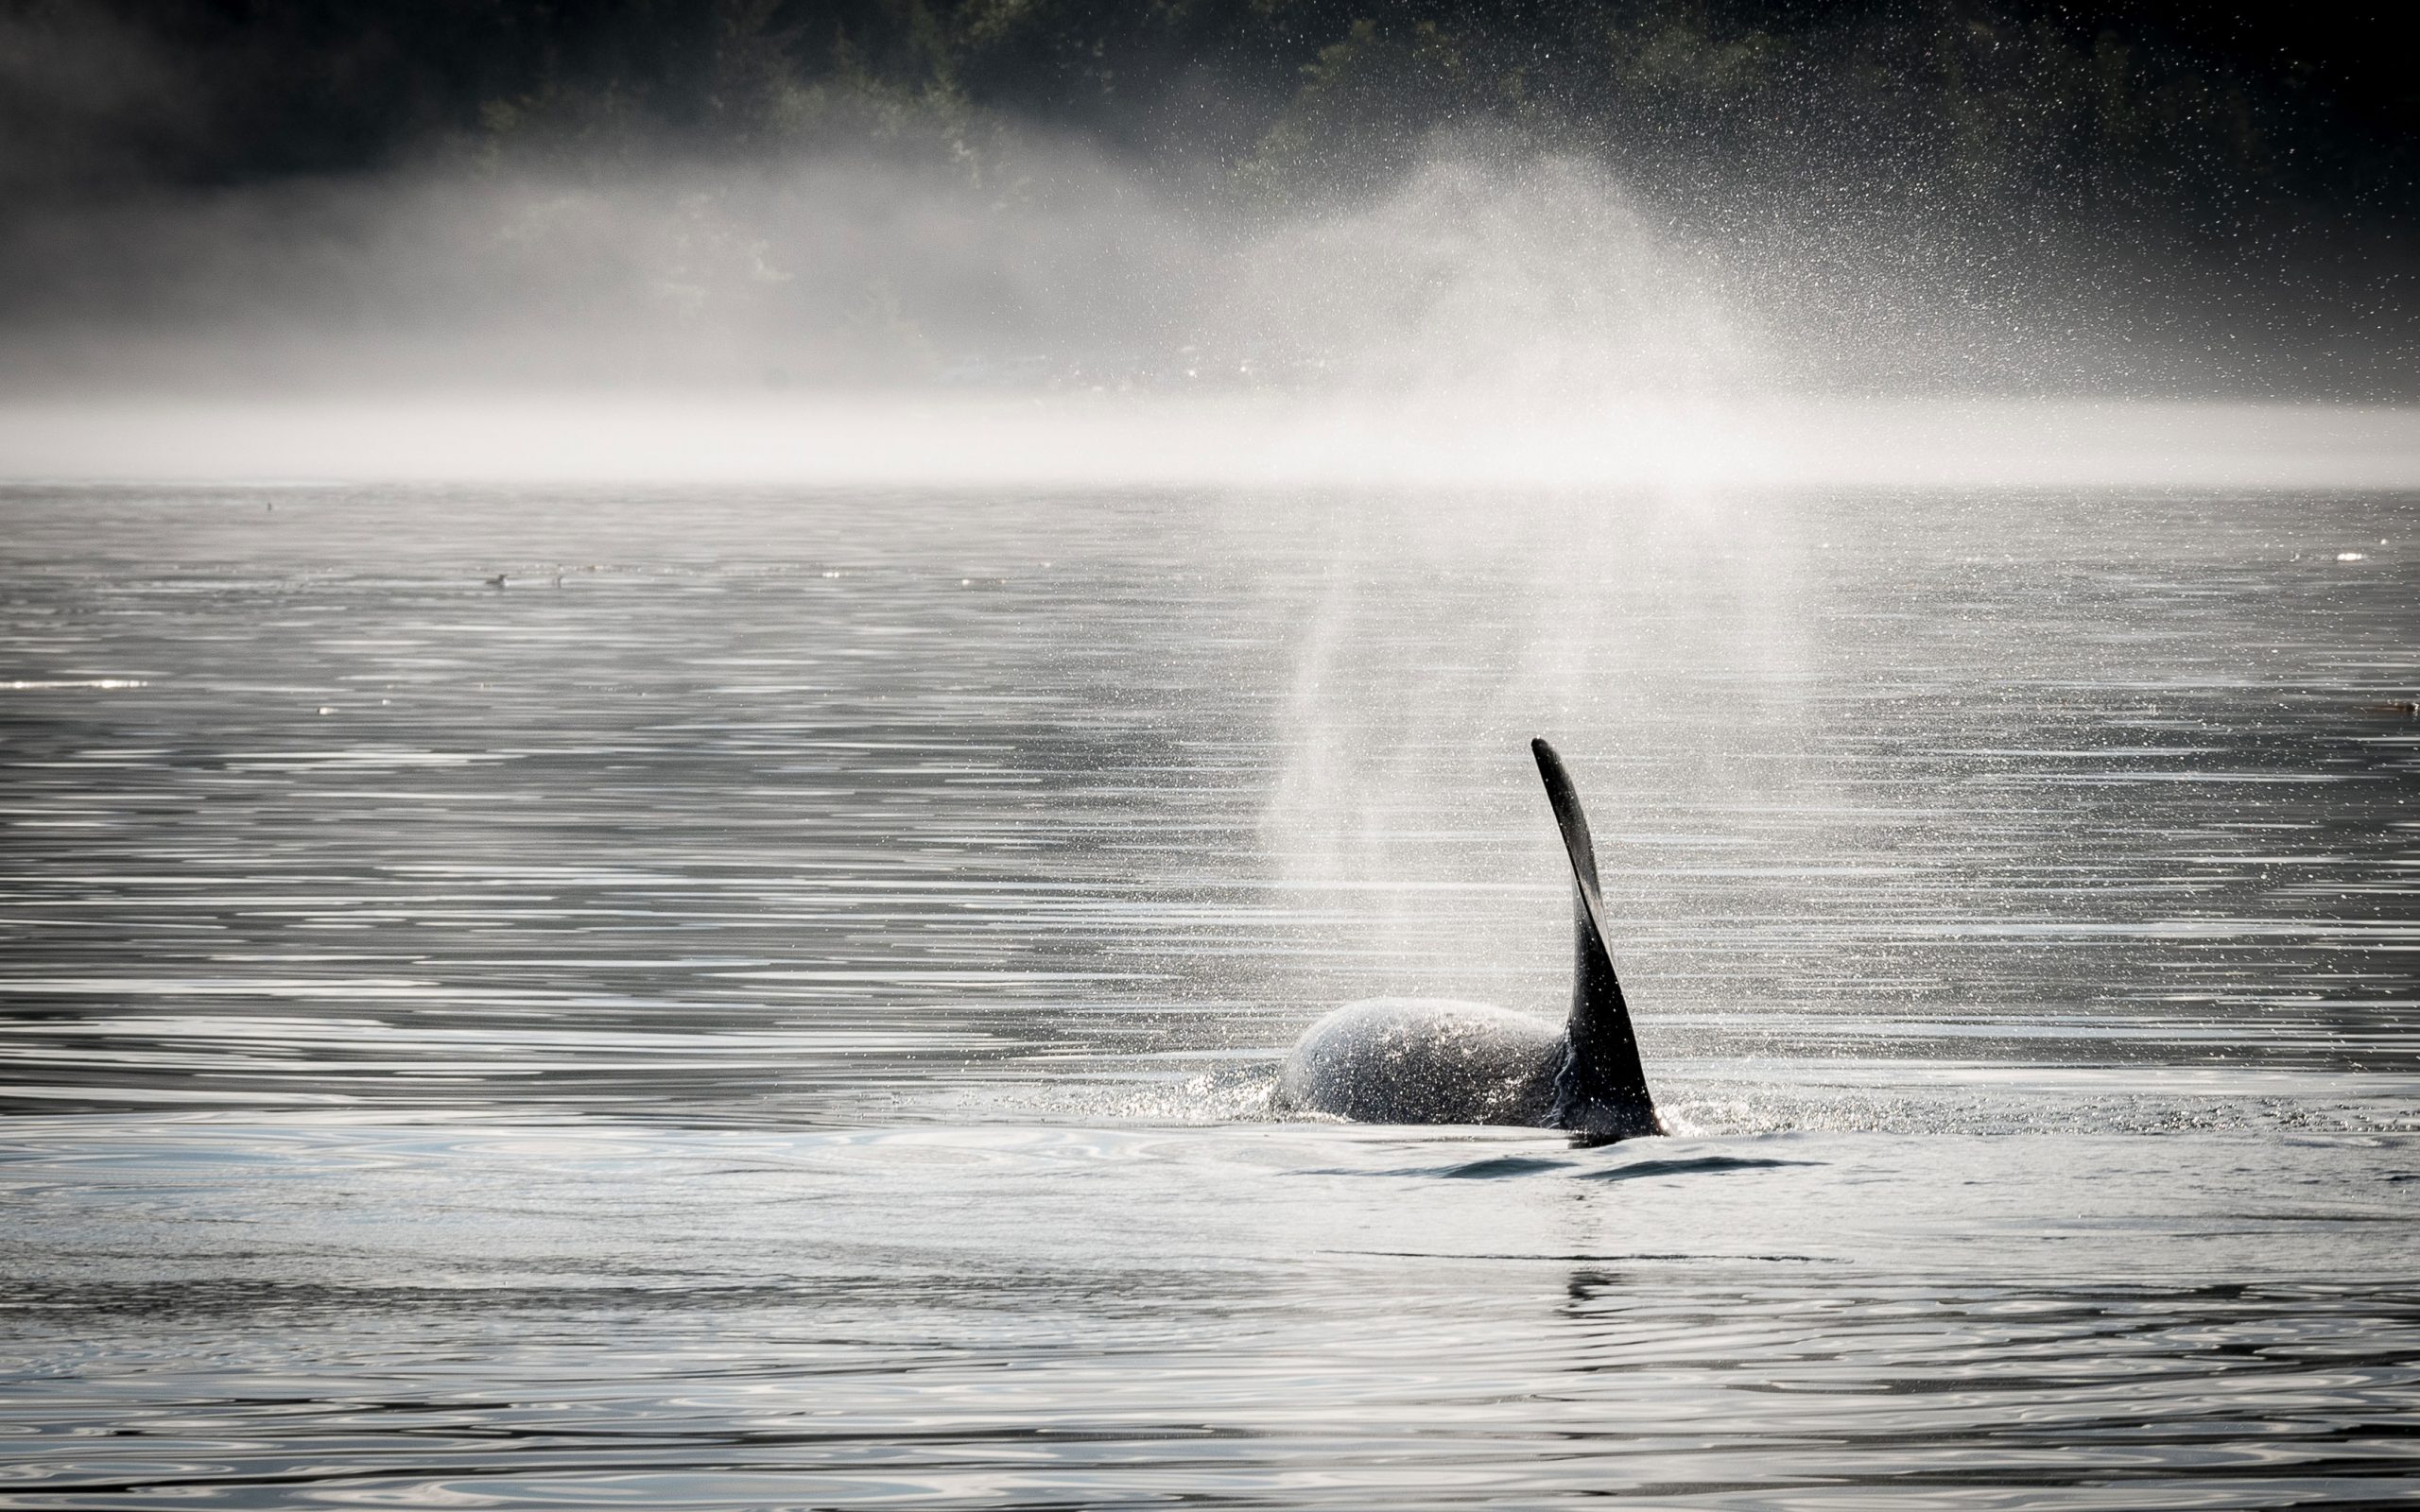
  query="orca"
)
[{"x": 1403, "y": 1060}]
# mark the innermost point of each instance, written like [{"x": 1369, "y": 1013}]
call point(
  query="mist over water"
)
[
  {"x": 1490, "y": 318},
  {"x": 1058, "y": 270}
]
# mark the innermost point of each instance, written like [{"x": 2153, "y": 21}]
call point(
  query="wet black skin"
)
[{"x": 1396, "y": 1060}]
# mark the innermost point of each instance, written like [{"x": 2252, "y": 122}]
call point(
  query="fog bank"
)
[{"x": 1432, "y": 441}]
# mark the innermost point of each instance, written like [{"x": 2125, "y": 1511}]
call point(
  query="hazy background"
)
[{"x": 1556, "y": 200}]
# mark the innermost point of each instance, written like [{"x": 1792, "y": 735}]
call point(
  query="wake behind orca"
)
[{"x": 1401, "y": 1062}]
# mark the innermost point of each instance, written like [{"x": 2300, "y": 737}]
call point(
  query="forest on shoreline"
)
[
  {"x": 2241, "y": 176},
  {"x": 2164, "y": 106}
]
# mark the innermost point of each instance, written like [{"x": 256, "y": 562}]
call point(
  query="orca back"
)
[{"x": 1413, "y": 1060}]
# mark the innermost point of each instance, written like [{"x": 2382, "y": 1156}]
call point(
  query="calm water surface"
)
[{"x": 770, "y": 1006}]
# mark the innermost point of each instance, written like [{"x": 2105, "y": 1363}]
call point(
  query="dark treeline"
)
[
  {"x": 2198, "y": 180},
  {"x": 2162, "y": 101}
]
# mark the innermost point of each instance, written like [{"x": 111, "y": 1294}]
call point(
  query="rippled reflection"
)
[
  {"x": 1023, "y": 1318},
  {"x": 769, "y": 1006}
]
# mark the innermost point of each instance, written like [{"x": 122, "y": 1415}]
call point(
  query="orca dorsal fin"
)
[{"x": 1600, "y": 1092}]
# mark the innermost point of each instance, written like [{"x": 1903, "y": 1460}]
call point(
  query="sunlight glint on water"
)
[{"x": 767, "y": 1007}]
